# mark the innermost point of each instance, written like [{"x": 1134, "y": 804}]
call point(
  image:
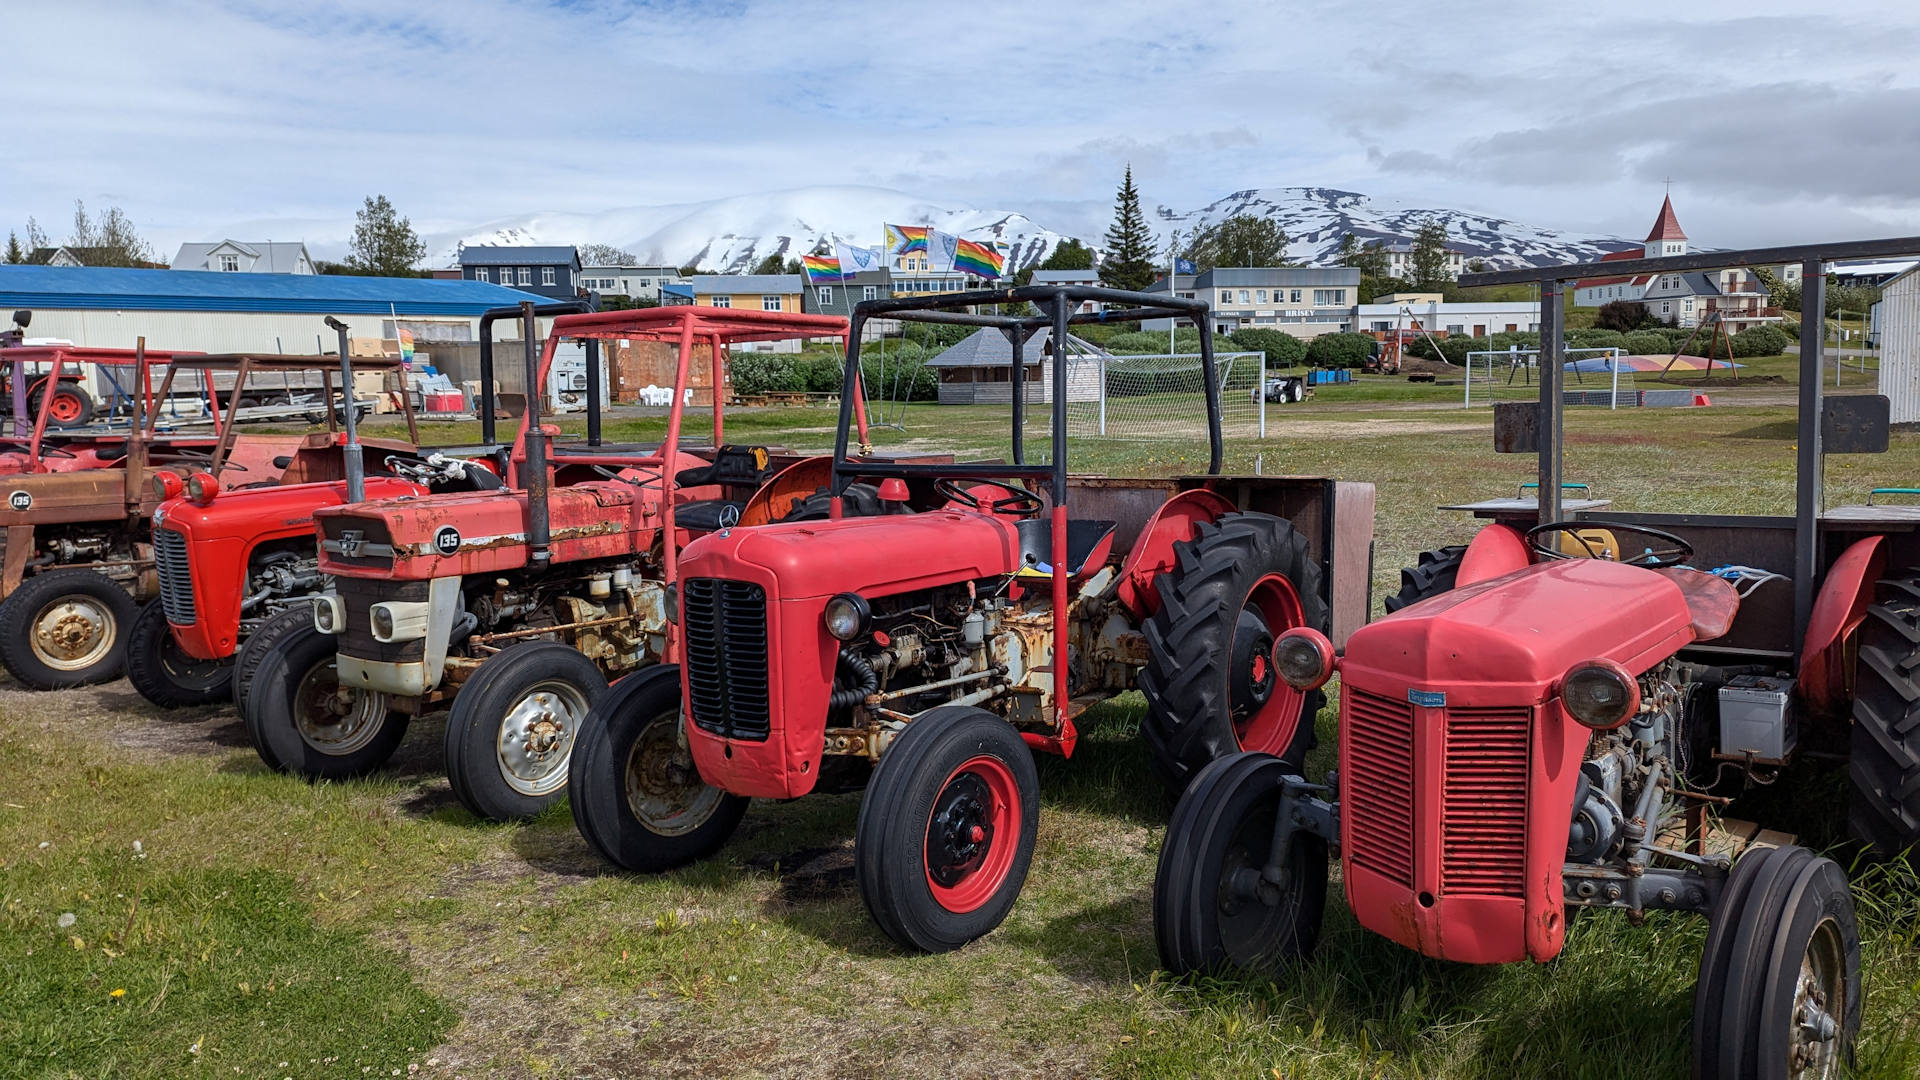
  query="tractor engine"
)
[{"x": 278, "y": 579}]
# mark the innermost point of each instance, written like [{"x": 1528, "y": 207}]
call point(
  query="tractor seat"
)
[
  {"x": 1088, "y": 543},
  {"x": 705, "y": 515},
  {"x": 110, "y": 453},
  {"x": 736, "y": 466},
  {"x": 1712, "y": 601}
]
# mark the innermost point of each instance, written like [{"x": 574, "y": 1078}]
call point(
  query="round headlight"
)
[
  {"x": 202, "y": 487},
  {"x": 671, "y": 602},
  {"x": 1303, "y": 657},
  {"x": 168, "y": 485},
  {"x": 1600, "y": 693},
  {"x": 380, "y": 618},
  {"x": 847, "y": 616}
]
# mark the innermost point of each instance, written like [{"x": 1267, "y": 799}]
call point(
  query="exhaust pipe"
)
[
  {"x": 355, "y": 464},
  {"x": 536, "y": 472}
]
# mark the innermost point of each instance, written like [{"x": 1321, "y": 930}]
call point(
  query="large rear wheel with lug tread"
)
[
  {"x": 636, "y": 795},
  {"x": 1433, "y": 573},
  {"x": 1884, "y": 761},
  {"x": 301, "y": 720},
  {"x": 512, "y": 728}
]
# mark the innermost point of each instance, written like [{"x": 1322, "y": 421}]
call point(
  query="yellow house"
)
[{"x": 751, "y": 292}]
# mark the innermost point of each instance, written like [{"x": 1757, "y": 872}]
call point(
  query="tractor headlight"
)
[
  {"x": 1303, "y": 657},
  {"x": 381, "y": 619},
  {"x": 670, "y": 600},
  {"x": 168, "y": 485},
  {"x": 1600, "y": 693},
  {"x": 329, "y": 616},
  {"x": 847, "y": 616},
  {"x": 399, "y": 620},
  {"x": 202, "y": 487}
]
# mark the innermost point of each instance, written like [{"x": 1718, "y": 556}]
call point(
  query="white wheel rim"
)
[
  {"x": 535, "y": 738},
  {"x": 664, "y": 790},
  {"x": 333, "y": 719},
  {"x": 72, "y": 633}
]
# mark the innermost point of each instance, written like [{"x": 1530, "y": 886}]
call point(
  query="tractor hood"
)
[
  {"x": 282, "y": 508},
  {"x": 1523, "y": 628},
  {"x": 878, "y": 555}
]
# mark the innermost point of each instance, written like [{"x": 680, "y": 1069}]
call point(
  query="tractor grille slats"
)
[
  {"x": 726, "y": 656},
  {"x": 176, "y": 576},
  {"x": 1484, "y": 820},
  {"x": 1378, "y": 786}
]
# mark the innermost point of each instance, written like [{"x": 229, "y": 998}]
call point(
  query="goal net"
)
[
  {"x": 1590, "y": 377},
  {"x": 1163, "y": 397}
]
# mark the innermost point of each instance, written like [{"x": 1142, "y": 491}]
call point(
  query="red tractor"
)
[
  {"x": 515, "y": 606},
  {"x": 1554, "y": 718},
  {"x": 925, "y": 655},
  {"x": 238, "y": 568}
]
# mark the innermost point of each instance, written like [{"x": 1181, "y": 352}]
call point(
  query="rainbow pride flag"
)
[
  {"x": 822, "y": 268},
  {"x": 904, "y": 238},
  {"x": 978, "y": 259}
]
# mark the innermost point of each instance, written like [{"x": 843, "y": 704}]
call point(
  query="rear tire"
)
[
  {"x": 513, "y": 726},
  {"x": 1210, "y": 684},
  {"x": 1779, "y": 994},
  {"x": 635, "y": 793},
  {"x": 65, "y": 628},
  {"x": 1207, "y": 915},
  {"x": 1884, "y": 762},
  {"x": 947, "y": 829},
  {"x": 1434, "y": 573},
  {"x": 164, "y": 673},
  {"x": 71, "y": 406},
  {"x": 253, "y": 647},
  {"x": 302, "y": 721}
]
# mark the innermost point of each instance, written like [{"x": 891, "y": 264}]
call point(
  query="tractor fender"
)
[
  {"x": 1175, "y": 522},
  {"x": 1498, "y": 549},
  {"x": 1837, "y": 612}
]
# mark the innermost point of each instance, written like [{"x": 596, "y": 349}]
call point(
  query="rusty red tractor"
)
[
  {"x": 1555, "y": 718},
  {"x": 926, "y": 655},
  {"x": 513, "y": 607},
  {"x": 77, "y": 516},
  {"x": 238, "y": 568}
]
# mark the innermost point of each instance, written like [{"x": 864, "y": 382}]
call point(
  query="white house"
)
[
  {"x": 636, "y": 282},
  {"x": 235, "y": 257},
  {"x": 1736, "y": 296},
  {"x": 1400, "y": 261}
]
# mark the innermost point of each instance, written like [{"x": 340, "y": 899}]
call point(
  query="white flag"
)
[
  {"x": 941, "y": 248},
  {"x": 856, "y": 260}
]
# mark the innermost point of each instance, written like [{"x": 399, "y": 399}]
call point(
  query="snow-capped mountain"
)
[{"x": 735, "y": 233}]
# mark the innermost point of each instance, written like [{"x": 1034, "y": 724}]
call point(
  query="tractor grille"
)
[
  {"x": 357, "y": 597},
  {"x": 176, "y": 576},
  {"x": 1378, "y": 787},
  {"x": 1484, "y": 819},
  {"x": 726, "y": 655}
]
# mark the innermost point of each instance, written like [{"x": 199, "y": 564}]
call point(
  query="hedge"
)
[
  {"x": 1646, "y": 343},
  {"x": 1339, "y": 350},
  {"x": 1283, "y": 349},
  {"x": 902, "y": 370}
]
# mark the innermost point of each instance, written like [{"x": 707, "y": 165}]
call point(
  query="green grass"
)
[{"x": 375, "y": 926}]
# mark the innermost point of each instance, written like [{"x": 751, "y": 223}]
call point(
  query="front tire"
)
[
  {"x": 1212, "y": 912},
  {"x": 65, "y": 628},
  {"x": 636, "y": 795},
  {"x": 1884, "y": 762},
  {"x": 512, "y": 728},
  {"x": 1779, "y": 995},
  {"x": 947, "y": 829},
  {"x": 254, "y": 647},
  {"x": 1210, "y": 683},
  {"x": 301, "y": 720},
  {"x": 164, "y": 673}
]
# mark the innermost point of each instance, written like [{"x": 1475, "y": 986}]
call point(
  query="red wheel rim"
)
[
  {"x": 1270, "y": 723},
  {"x": 973, "y": 831},
  {"x": 64, "y": 407}
]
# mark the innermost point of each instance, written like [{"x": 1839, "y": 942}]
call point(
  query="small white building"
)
[
  {"x": 254, "y": 257},
  {"x": 1425, "y": 311},
  {"x": 1898, "y": 318},
  {"x": 635, "y": 282}
]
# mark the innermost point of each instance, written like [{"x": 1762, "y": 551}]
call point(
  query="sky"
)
[{"x": 1775, "y": 123}]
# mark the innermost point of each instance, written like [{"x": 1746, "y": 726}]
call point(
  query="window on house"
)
[
  {"x": 546, "y": 275},
  {"x": 1666, "y": 308},
  {"x": 1226, "y": 296},
  {"x": 1294, "y": 297},
  {"x": 526, "y": 275},
  {"x": 1329, "y": 297},
  {"x": 825, "y": 292},
  {"x": 722, "y": 301},
  {"x": 646, "y": 283},
  {"x": 230, "y": 264},
  {"x": 1260, "y": 296},
  {"x": 1456, "y": 328},
  {"x": 1244, "y": 298},
  {"x": 479, "y": 273},
  {"x": 869, "y": 292},
  {"x": 770, "y": 303},
  {"x": 1382, "y": 325}
]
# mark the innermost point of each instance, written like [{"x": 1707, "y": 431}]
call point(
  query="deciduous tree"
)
[
  {"x": 384, "y": 243},
  {"x": 1241, "y": 240}
]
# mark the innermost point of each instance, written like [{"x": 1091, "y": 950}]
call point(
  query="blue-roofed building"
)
[
  {"x": 553, "y": 272},
  {"x": 224, "y": 312}
]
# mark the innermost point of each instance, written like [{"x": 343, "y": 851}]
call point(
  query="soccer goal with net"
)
[
  {"x": 1164, "y": 396},
  {"x": 1592, "y": 377}
]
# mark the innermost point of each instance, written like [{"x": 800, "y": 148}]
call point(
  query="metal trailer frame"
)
[
  {"x": 1056, "y": 307},
  {"x": 1810, "y": 466}
]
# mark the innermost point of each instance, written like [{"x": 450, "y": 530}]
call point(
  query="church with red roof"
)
[{"x": 1735, "y": 297}]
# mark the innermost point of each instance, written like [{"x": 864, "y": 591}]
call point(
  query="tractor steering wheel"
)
[
  {"x": 1670, "y": 550},
  {"x": 1020, "y": 503}
]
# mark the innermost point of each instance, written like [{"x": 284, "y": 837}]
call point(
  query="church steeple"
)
[{"x": 1666, "y": 237}]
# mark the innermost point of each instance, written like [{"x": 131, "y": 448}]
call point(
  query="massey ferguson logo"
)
[
  {"x": 20, "y": 500},
  {"x": 351, "y": 541},
  {"x": 447, "y": 540}
]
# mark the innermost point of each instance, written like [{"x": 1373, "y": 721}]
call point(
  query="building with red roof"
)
[{"x": 1733, "y": 296}]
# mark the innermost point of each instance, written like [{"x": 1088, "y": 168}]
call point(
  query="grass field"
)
[{"x": 226, "y": 921}]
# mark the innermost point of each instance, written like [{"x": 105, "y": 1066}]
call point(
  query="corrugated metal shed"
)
[
  {"x": 1900, "y": 346},
  {"x": 110, "y": 289}
]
